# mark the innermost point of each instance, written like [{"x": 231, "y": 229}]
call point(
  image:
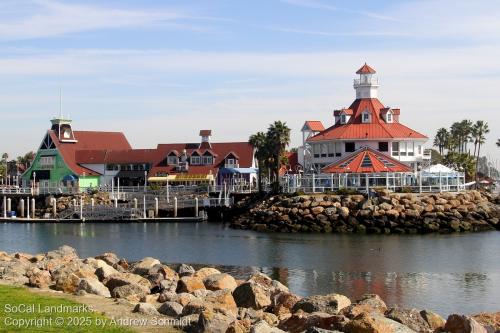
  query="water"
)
[{"x": 445, "y": 273}]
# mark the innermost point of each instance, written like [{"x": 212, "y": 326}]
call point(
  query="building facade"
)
[{"x": 366, "y": 123}]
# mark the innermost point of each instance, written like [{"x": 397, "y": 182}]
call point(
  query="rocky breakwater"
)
[
  {"x": 385, "y": 213},
  {"x": 206, "y": 300}
]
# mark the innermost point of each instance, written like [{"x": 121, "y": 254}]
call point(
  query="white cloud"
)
[{"x": 48, "y": 18}]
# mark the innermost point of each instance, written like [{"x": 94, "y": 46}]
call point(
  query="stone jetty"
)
[
  {"x": 207, "y": 300},
  {"x": 382, "y": 213}
]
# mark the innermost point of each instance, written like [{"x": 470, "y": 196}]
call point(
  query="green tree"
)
[
  {"x": 480, "y": 130},
  {"x": 278, "y": 138},
  {"x": 259, "y": 142},
  {"x": 26, "y": 159},
  {"x": 441, "y": 139},
  {"x": 461, "y": 162},
  {"x": 5, "y": 158}
]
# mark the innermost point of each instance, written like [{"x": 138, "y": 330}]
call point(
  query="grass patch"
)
[{"x": 22, "y": 311}]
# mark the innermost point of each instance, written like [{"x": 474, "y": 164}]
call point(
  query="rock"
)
[
  {"x": 183, "y": 298},
  {"x": 317, "y": 210},
  {"x": 213, "y": 322},
  {"x": 146, "y": 308},
  {"x": 196, "y": 306},
  {"x": 104, "y": 272},
  {"x": 411, "y": 318},
  {"x": 369, "y": 303},
  {"x": 92, "y": 285},
  {"x": 121, "y": 279},
  {"x": 186, "y": 270},
  {"x": 375, "y": 323},
  {"x": 301, "y": 321},
  {"x": 220, "y": 281},
  {"x": 239, "y": 326},
  {"x": 129, "y": 291},
  {"x": 222, "y": 301},
  {"x": 172, "y": 309},
  {"x": 151, "y": 299},
  {"x": 143, "y": 266},
  {"x": 435, "y": 321},
  {"x": 343, "y": 211},
  {"x": 490, "y": 321},
  {"x": 331, "y": 303},
  {"x": 39, "y": 278},
  {"x": 283, "y": 303},
  {"x": 68, "y": 284},
  {"x": 263, "y": 327},
  {"x": 59, "y": 257},
  {"x": 204, "y": 272},
  {"x": 166, "y": 296},
  {"x": 168, "y": 285},
  {"x": 463, "y": 324},
  {"x": 189, "y": 284},
  {"x": 251, "y": 295},
  {"x": 320, "y": 330}
]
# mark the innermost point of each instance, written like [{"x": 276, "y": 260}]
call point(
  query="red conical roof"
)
[
  {"x": 367, "y": 160},
  {"x": 365, "y": 69}
]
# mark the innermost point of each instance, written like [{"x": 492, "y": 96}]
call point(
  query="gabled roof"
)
[
  {"x": 219, "y": 151},
  {"x": 314, "y": 125},
  {"x": 339, "y": 112},
  {"x": 366, "y": 160},
  {"x": 365, "y": 69},
  {"x": 88, "y": 140},
  {"x": 377, "y": 129}
]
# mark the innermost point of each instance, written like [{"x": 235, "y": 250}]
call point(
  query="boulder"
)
[
  {"x": 172, "y": 309},
  {"x": 143, "y": 266},
  {"x": 283, "y": 303},
  {"x": 435, "y": 321},
  {"x": 39, "y": 278},
  {"x": 320, "y": 330},
  {"x": 92, "y": 285},
  {"x": 121, "y": 279},
  {"x": 168, "y": 285},
  {"x": 204, "y": 272},
  {"x": 220, "y": 281},
  {"x": 301, "y": 321},
  {"x": 317, "y": 210},
  {"x": 222, "y": 301},
  {"x": 252, "y": 295},
  {"x": 263, "y": 327},
  {"x": 183, "y": 298},
  {"x": 490, "y": 321},
  {"x": 463, "y": 324},
  {"x": 343, "y": 211},
  {"x": 411, "y": 318},
  {"x": 189, "y": 284},
  {"x": 213, "y": 322},
  {"x": 375, "y": 323},
  {"x": 146, "y": 308},
  {"x": 186, "y": 270},
  {"x": 368, "y": 303},
  {"x": 166, "y": 296},
  {"x": 104, "y": 272},
  {"x": 239, "y": 326},
  {"x": 129, "y": 291},
  {"x": 331, "y": 303}
]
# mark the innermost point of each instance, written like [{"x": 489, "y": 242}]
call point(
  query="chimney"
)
[{"x": 205, "y": 139}]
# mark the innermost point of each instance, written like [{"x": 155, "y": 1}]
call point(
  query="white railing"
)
[{"x": 364, "y": 182}]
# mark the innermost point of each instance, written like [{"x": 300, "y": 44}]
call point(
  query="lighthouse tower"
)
[{"x": 367, "y": 84}]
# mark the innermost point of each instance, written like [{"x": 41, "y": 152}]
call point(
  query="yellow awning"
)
[{"x": 161, "y": 179}]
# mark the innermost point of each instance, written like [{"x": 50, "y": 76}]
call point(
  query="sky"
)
[{"x": 162, "y": 70}]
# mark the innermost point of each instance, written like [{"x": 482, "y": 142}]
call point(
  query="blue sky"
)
[{"x": 162, "y": 70}]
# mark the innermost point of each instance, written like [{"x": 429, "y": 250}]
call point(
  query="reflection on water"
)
[{"x": 445, "y": 273}]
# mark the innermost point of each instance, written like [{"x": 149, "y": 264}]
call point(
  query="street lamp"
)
[
  {"x": 145, "y": 180},
  {"x": 34, "y": 181}
]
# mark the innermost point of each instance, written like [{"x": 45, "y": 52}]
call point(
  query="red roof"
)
[
  {"x": 366, "y": 160},
  {"x": 88, "y": 140},
  {"x": 293, "y": 165},
  {"x": 315, "y": 125},
  {"x": 219, "y": 151},
  {"x": 365, "y": 69},
  {"x": 377, "y": 129},
  {"x": 118, "y": 156}
]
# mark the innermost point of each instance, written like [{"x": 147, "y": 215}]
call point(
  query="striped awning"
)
[{"x": 182, "y": 178}]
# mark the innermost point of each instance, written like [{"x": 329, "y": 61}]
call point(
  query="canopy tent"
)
[{"x": 437, "y": 168}]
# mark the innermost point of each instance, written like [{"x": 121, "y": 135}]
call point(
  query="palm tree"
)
[
  {"x": 466, "y": 129},
  {"x": 441, "y": 139},
  {"x": 259, "y": 142},
  {"x": 278, "y": 138},
  {"x": 5, "y": 157},
  {"x": 480, "y": 130}
]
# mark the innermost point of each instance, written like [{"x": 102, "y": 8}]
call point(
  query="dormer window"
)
[
  {"x": 172, "y": 159},
  {"x": 366, "y": 117},
  {"x": 343, "y": 119},
  {"x": 388, "y": 117},
  {"x": 195, "y": 158}
]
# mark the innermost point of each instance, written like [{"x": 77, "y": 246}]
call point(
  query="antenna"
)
[{"x": 60, "y": 103}]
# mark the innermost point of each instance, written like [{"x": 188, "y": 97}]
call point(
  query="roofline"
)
[{"x": 371, "y": 139}]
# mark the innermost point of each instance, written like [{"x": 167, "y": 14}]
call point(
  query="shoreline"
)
[{"x": 212, "y": 301}]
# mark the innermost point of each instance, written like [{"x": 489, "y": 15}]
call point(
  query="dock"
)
[{"x": 84, "y": 220}]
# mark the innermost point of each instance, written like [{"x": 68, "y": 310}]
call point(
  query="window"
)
[
  {"x": 110, "y": 167},
  {"x": 324, "y": 151},
  {"x": 195, "y": 160},
  {"x": 388, "y": 117},
  {"x": 402, "y": 149},
  {"x": 172, "y": 160},
  {"x": 47, "y": 162},
  {"x": 67, "y": 134},
  {"x": 410, "y": 149},
  {"x": 395, "y": 149},
  {"x": 366, "y": 117},
  {"x": 343, "y": 118},
  {"x": 420, "y": 149},
  {"x": 331, "y": 149},
  {"x": 383, "y": 146},
  {"x": 316, "y": 150},
  {"x": 350, "y": 147},
  {"x": 231, "y": 163},
  {"x": 207, "y": 160},
  {"x": 338, "y": 149}
]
